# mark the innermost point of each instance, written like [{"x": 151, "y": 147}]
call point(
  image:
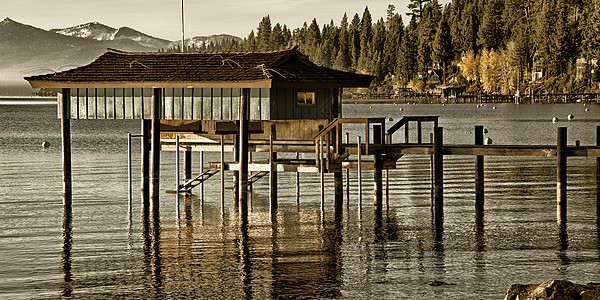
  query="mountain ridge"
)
[{"x": 28, "y": 50}]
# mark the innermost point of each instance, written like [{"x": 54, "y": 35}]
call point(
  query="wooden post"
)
[
  {"x": 145, "y": 168},
  {"x": 378, "y": 170},
  {"x": 359, "y": 175},
  {"x": 243, "y": 182},
  {"x": 64, "y": 102},
  {"x": 322, "y": 173},
  {"x": 272, "y": 175},
  {"x": 561, "y": 175},
  {"x": 347, "y": 175},
  {"x": 479, "y": 175},
  {"x": 155, "y": 153},
  {"x": 297, "y": 183},
  {"x": 222, "y": 171},
  {"x": 419, "y": 131},
  {"x": 438, "y": 174},
  {"x": 236, "y": 174},
  {"x": 339, "y": 193},
  {"x": 177, "y": 180},
  {"x": 129, "y": 177},
  {"x": 187, "y": 163},
  {"x": 202, "y": 171},
  {"x": 598, "y": 175}
]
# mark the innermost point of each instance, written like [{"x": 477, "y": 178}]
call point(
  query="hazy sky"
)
[{"x": 161, "y": 18}]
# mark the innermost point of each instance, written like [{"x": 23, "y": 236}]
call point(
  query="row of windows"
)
[{"x": 177, "y": 103}]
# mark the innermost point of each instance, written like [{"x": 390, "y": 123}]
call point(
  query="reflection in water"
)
[
  {"x": 563, "y": 247},
  {"x": 67, "y": 289}
]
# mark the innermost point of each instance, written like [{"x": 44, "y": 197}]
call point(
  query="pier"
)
[{"x": 276, "y": 102}]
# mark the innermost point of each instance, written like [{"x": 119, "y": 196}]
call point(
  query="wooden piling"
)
[
  {"x": 177, "y": 180},
  {"x": 339, "y": 189},
  {"x": 243, "y": 156},
  {"x": 201, "y": 171},
  {"x": 236, "y": 174},
  {"x": 187, "y": 164},
  {"x": 322, "y": 173},
  {"x": 297, "y": 183},
  {"x": 598, "y": 175},
  {"x": 438, "y": 174},
  {"x": 64, "y": 102},
  {"x": 479, "y": 175},
  {"x": 145, "y": 168},
  {"x": 222, "y": 171},
  {"x": 378, "y": 170},
  {"x": 272, "y": 175},
  {"x": 359, "y": 172},
  {"x": 347, "y": 175},
  {"x": 155, "y": 152},
  {"x": 561, "y": 175}
]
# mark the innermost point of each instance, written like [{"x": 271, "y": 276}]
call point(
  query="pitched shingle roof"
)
[{"x": 286, "y": 68}]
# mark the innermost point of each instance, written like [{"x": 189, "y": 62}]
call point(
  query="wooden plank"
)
[
  {"x": 197, "y": 105},
  {"x": 178, "y": 104},
  {"x": 217, "y": 108},
  {"x": 265, "y": 104},
  {"x": 206, "y": 104},
  {"x": 138, "y": 104},
  {"x": 73, "y": 107},
  {"x": 119, "y": 104},
  {"x": 226, "y": 96},
  {"x": 110, "y": 103},
  {"x": 129, "y": 105},
  {"x": 188, "y": 108}
]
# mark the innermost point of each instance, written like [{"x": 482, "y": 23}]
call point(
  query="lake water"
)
[{"x": 298, "y": 253}]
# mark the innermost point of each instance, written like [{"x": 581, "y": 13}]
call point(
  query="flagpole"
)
[{"x": 182, "y": 30}]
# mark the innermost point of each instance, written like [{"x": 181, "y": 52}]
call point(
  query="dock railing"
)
[
  {"x": 404, "y": 122},
  {"x": 328, "y": 140}
]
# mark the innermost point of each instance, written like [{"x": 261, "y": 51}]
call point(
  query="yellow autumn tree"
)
[
  {"x": 469, "y": 66},
  {"x": 490, "y": 71}
]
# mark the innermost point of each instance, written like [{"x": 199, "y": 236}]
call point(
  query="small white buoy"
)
[
  {"x": 370, "y": 106},
  {"x": 587, "y": 109},
  {"x": 45, "y": 144},
  {"x": 487, "y": 141},
  {"x": 485, "y": 130},
  {"x": 570, "y": 117},
  {"x": 401, "y": 109},
  {"x": 494, "y": 107},
  {"x": 554, "y": 120}
]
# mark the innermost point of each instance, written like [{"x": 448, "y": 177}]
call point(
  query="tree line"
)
[{"x": 491, "y": 46}]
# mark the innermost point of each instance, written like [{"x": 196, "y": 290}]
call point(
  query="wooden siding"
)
[
  {"x": 284, "y": 104},
  {"x": 177, "y": 103}
]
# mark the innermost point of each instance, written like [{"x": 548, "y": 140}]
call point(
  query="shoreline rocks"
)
[{"x": 553, "y": 290}]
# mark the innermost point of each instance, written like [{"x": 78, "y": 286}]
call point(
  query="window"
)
[{"x": 306, "y": 98}]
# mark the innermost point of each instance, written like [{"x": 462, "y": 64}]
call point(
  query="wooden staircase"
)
[{"x": 200, "y": 178}]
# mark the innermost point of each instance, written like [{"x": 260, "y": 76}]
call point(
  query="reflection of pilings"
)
[
  {"x": 155, "y": 261},
  {"x": 67, "y": 289},
  {"x": 339, "y": 193},
  {"x": 561, "y": 175},
  {"x": 245, "y": 260}
]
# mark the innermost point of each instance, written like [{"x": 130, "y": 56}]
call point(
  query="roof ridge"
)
[{"x": 117, "y": 51}]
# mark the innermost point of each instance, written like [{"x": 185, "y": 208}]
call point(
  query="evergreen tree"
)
[
  {"x": 375, "y": 64},
  {"x": 354, "y": 39},
  {"x": 442, "y": 52},
  {"x": 491, "y": 30},
  {"x": 416, "y": 8},
  {"x": 393, "y": 40},
  {"x": 263, "y": 33},
  {"x": 470, "y": 27},
  {"x": 366, "y": 36},
  {"x": 591, "y": 34},
  {"x": 287, "y": 35},
  {"x": 426, "y": 34},
  {"x": 407, "y": 57},
  {"x": 343, "y": 59},
  {"x": 250, "y": 42},
  {"x": 276, "y": 40},
  {"x": 313, "y": 38}
]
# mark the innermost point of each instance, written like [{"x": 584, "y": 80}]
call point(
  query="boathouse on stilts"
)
[{"x": 272, "y": 102}]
